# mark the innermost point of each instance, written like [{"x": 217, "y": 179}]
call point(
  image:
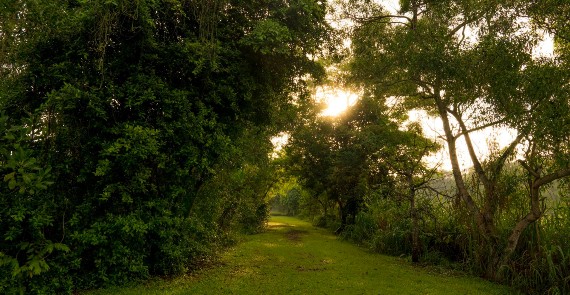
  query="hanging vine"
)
[{"x": 207, "y": 13}]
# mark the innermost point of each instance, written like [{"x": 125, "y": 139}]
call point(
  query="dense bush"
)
[
  {"x": 136, "y": 134},
  {"x": 328, "y": 221},
  {"x": 539, "y": 266},
  {"x": 542, "y": 265}
]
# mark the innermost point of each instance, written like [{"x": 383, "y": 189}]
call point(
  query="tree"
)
[
  {"x": 140, "y": 106},
  {"x": 471, "y": 81},
  {"x": 349, "y": 156},
  {"x": 405, "y": 159}
]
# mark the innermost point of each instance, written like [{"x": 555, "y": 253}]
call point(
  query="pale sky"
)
[
  {"x": 433, "y": 129},
  {"x": 337, "y": 100}
]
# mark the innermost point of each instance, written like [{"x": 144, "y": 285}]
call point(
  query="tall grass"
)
[
  {"x": 545, "y": 268},
  {"x": 541, "y": 264}
]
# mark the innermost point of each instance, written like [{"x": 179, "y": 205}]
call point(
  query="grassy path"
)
[{"x": 292, "y": 257}]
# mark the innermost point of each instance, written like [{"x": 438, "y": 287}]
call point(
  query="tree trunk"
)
[
  {"x": 416, "y": 248},
  {"x": 342, "y": 211},
  {"x": 456, "y": 169},
  {"x": 487, "y": 253},
  {"x": 536, "y": 182}
]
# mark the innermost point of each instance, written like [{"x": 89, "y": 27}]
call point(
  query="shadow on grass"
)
[{"x": 294, "y": 235}]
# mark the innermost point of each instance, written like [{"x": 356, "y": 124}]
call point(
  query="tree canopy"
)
[
  {"x": 473, "y": 64},
  {"x": 122, "y": 116}
]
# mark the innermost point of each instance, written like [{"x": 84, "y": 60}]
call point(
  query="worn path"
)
[{"x": 293, "y": 257}]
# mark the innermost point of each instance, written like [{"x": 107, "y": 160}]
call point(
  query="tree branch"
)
[
  {"x": 481, "y": 127},
  {"x": 527, "y": 168},
  {"x": 552, "y": 177},
  {"x": 476, "y": 163},
  {"x": 503, "y": 158},
  {"x": 427, "y": 187},
  {"x": 381, "y": 17},
  {"x": 459, "y": 27}
]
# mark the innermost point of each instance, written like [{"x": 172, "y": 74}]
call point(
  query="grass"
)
[{"x": 293, "y": 257}]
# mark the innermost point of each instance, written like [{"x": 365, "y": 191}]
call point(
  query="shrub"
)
[
  {"x": 363, "y": 229},
  {"x": 327, "y": 221}
]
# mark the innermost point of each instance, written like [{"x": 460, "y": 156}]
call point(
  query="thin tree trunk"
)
[
  {"x": 416, "y": 249},
  {"x": 342, "y": 212},
  {"x": 456, "y": 169}
]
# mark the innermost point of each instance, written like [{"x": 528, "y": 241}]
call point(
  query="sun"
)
[{"x": 337, "y": 100}]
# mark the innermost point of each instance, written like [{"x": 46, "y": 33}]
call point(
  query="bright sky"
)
[
  {"x": 338, "y": 100},
  {"x": 433, "y": 129},
  {"x": 391, "y": 5},
  {"x": 279, "y": 142}
]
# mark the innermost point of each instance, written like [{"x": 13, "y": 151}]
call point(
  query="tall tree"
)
[
  {"x": 467, "y": 62},
  {"x": 349, "y": 156},
  {"x": 406, "y": 159},
  {"x": 137, "y": 106}
]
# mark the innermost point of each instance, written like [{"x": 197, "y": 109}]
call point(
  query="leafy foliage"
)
[
  {"x": 348, "y": 158},
  {"x": 134, "y": 126},
  {"x": 472, "y": 63}
]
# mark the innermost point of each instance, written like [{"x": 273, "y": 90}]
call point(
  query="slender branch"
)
[
  {"x": 530, "y": 170},
  {"x": 500, "y": 162},
  {"x": 424, "y": 84},
  {"x": 427, "y": 179},
  {"x": 469, "y": 20},
  {"x": 399, "y": 171},
  {"x": 476, "y": 163},
  {"x": 433, "y": 171},
  {"x": 465, "y": 22},
  {"x": 460, "y": 26},
  {"x": 427, "y": 96},
  {"x": 427, "y": 187},
  {"x": 428, "y": 86},
  {"x": 552, "y": 177},
  {"x": 481, "y": 127},
  {"x": 462, "y": 35},
  {"x": 381, "y": 17},
  {"x": 393, "y": 22}
]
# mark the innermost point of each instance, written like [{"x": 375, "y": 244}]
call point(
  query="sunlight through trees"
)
[{"x": 140, "y": 139}]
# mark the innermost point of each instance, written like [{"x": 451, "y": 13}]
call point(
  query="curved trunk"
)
[
  {"x": 487, "y": 253},
  {"x": 536, "y": 212},
  {"x": 456, "y": 169}
]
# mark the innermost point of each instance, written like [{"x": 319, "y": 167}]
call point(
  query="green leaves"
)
[
  {"x": 35, "y": 263},
  {"x": 268, "y": 37},
  {"x": 26, "y": 175},
  {"x": 137, "y": 106}
]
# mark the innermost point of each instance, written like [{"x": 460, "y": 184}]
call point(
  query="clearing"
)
[{"x": 292, "y": 257}]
